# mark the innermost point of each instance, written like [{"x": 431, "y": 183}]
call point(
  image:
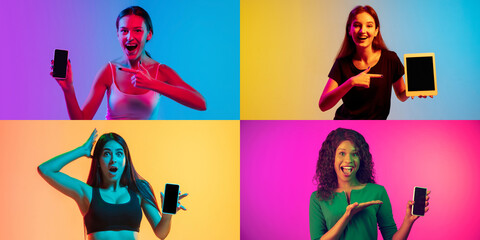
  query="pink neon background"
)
[{"x": 278, "y": 160}]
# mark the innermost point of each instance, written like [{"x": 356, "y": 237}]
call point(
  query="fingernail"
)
[{"x": 120, "y": 68}]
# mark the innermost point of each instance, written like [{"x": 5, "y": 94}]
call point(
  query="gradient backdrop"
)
[
  {"x": 279, "y": 159},
  {"x": 288, "y": 47},
  {"x": 202, "y": 156},
  {"x": 199, "y": 39}
]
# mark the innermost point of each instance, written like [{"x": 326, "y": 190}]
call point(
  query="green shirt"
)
[{"x": 363, "y": 225}]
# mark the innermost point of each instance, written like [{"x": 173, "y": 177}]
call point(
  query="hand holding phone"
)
[
  {"x": 171, "y": 198},
  {"x": 419, "y": 198},
  {"x": 60, "y": 64}
]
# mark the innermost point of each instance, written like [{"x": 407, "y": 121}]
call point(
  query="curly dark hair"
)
[{"x": 325, "y": 175}]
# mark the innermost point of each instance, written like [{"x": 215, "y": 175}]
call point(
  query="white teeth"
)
[{"x": 347, "y": 170}]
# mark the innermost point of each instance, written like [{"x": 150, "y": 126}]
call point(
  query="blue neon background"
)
[
  {"x": 198, "y": 39},
  {"x": 450, "y": 30}
]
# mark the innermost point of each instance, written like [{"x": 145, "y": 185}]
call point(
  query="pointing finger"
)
[
  {"x": 375, "y": 75},
  {"x": 128, "y": 70}
]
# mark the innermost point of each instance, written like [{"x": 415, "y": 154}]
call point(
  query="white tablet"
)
[{"x": 420, "y": 75}]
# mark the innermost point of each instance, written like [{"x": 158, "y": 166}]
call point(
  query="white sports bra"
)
[{"x": 123, "y": 106}]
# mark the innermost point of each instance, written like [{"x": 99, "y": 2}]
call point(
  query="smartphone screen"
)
[
  {"x": 170, "y": 199},
  {"x": 419, "y": 195},
  {"x": 60, "y": 63}
]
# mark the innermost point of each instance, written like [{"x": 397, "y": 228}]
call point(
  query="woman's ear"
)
[{"x": 149, "y": 36}]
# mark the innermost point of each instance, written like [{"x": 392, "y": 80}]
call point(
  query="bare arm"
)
[
  {"x": 161, "y": 224},
  {"x": 73, "y": 188},
  {"x": 400, "y": 90},
  {"x": 333, "y": 93},
  {"x": 409, "y": 220},
  {"x": 93, "y": 100},
  {"x": 168, "y": 84}
]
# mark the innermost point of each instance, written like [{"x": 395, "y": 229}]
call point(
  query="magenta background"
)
[{"x": 278, "y": 160}]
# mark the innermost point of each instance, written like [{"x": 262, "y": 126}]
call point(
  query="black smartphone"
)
[
  {"x": 60, "y": 63},
  {"x": 170, "y": 199},
  {"x": 419, "y": 196}
]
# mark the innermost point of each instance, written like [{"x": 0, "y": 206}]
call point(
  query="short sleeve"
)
[
  {"x": 318, "y": 227},
  {"x": 386, "y": 224},
  {"x": 397, "y": 68},
  {"x": 336, "y": 72}
]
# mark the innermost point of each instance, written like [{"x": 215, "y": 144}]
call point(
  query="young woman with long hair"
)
[
  {"x": 364, "y": 71},
  {"x": 134, "y": 82},
  {"x": 348, "y": 204},
  {"x": 112, "y": 199}
]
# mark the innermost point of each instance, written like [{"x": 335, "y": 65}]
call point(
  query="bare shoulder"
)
[{"x": 104, "y": 75}]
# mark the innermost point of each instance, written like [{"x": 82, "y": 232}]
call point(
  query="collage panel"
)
[
  {"x": 289, "y": 49},
  {"x": 279, "y": 166},
  {"x": 191, "y": 48},
  {"x": 203, "y": 157}
]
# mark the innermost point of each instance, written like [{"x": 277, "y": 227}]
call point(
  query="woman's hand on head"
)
[
  {"x": 363, "y": 79},
  {"x": 88, "y": 145},
  {"x": 65, "y": 83},
  {"x": 413, "y": 218},
  {"x": 354, "y": 208},
  {"x": 180, "y": 197}
]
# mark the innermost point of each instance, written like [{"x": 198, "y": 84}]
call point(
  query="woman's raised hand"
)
[
  {"x": 88, "y": 145},
  {"x": 363, "y": 78},
  {"x": 65, "y": 83},
  {"x": 409, "y": 215},
  {"x": 180, "y": 197},
  {"x": 354, "y": 208}
]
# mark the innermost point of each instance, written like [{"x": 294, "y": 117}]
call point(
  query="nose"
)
[
  {"x": 348, "y": 158},
  {"x": 129, "y": 35}
]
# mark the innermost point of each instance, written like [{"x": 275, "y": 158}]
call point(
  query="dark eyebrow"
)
[
  {"x": 353, "y": 150},
  {"x": 356, "y": 21},
  {"x": 118, "y": 149},
  {"x": 132, "y": 27}
]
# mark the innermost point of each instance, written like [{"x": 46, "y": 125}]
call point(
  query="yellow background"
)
[
  {"x": 286, "y": 51},
  {"x": 202, "y": 156}
]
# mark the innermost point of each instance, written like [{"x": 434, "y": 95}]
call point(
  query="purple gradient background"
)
[
  {"x": 199, "y": 39},
  {"x": 278, "y": 160}
]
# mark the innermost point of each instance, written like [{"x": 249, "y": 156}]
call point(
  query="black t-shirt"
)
[{"x": 372, "y": 102}]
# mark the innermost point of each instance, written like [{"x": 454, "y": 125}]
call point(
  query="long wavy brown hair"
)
[
  {"x": 326, "y": 176},
  {"x": 348, "y": 47}
]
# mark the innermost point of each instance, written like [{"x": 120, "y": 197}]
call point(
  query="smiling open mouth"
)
[{"x": 347, "y": 170}]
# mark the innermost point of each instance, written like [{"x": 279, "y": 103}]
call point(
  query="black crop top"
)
[{"x": 103, "y": 216}]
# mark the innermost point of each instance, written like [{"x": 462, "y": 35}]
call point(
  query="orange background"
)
[{"x": 202, "y": 156}]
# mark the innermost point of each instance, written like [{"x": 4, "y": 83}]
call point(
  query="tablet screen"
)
[{"x": 420, "y": 74}]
